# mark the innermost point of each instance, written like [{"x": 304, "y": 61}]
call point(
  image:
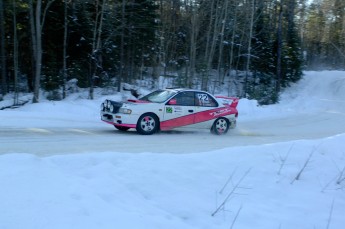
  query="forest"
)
[{"x": 247, "y": 48}]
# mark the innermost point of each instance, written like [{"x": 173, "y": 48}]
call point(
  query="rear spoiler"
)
[{"x": 228, "y": 101}]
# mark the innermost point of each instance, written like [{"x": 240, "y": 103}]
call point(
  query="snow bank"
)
[
  {"x": 322, "y": 91},
  {"x": 317, "y": 91},
  {"x": 110, "y": 190}
]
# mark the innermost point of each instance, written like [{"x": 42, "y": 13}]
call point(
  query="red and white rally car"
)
[{"x": 172, "y": 108}]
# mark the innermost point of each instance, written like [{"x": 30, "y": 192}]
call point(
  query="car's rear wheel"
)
[
  {"x": 147, "y": 124},
  {"x": 220, "y": 126},
  {"x": 122, "y": 128}
]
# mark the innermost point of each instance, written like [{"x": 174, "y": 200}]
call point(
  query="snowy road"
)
[
  {"x": 312, "y": 109},
  {"x": 60, "y": 166},
  {"x": 52, "y": 140}
]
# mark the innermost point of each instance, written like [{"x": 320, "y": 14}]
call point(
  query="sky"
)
[{"x": 282, "y": 167}]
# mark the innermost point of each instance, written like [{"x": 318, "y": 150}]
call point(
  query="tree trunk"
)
[
  {"x": 279, "y": 48},
  {"x": 212, "y": 35},
  {"x": 37, "y": 23},
  {"x": 15, "y": 54},
  {"x": 122, "y": 48},
  {"x": 194, "y": 23},
  {"x": 221, "y": 43},
  {"x": 33, "y": 43},
  {"x": 251, "y": 25},
  {"x": 38, "y": 54},
  {"x": 96, "y": 46},
  {"x": 3, "y": 50},
  {"x": 302, "y": 20},
  {"x": 64, "y": 61},
  {"x": 234, "y": 28}
]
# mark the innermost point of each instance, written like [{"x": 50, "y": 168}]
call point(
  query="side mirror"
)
[{"x": 172, "y": 102}]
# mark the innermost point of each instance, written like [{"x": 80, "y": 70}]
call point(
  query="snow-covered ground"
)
[{"x": 282, "y": 167}]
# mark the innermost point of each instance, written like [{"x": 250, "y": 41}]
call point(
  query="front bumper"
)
[{"x": 119, "y": 119}]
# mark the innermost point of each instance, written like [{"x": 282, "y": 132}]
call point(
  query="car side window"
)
[
  {"x": 185, "y": 98},
  {"x": 204, "y": 100}
]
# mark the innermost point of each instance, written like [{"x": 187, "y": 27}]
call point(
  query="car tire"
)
[
  {"x": 121, "y": 128},
  {"x": 147, "y": 124},
  {"x": 220, "y": 126}
]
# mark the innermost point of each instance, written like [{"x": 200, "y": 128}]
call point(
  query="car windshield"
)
[{"x": 159, "y": 96}]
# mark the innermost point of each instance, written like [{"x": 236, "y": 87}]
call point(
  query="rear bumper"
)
[{"x": 233, "y": 123}]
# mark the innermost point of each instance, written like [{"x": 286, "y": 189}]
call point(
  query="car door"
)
[
  {"x": 206, "y": 105},
  {"x": 179, "y": 111}
]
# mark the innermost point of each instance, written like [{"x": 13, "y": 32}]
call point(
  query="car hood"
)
[
  {"x": 131, "y": 103},
  {"x": 137, "y": 101}
]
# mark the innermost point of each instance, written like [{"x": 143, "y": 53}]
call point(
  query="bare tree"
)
[
  {"x": 37, "y": 18},
  {"x": 96, "y": 57},
  {"x": 231, "y": 54},
  {"x": 212, "y": 34},
  {"x": 233, "y": 191}
]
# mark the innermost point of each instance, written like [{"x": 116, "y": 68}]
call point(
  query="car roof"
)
[{"x": 179, "y": 89}]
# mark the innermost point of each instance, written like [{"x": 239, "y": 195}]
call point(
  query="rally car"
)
[{"x": 171, "y": 108}]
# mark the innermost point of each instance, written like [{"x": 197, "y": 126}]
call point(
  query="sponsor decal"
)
[
  {"x": 177, "y": 109},
  {"x": 220, "y": 112},
  {"x": 168, "y": 110}
]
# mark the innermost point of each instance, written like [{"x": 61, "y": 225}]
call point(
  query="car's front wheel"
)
[
  {"x": 220, "y": 126},
  {"x": 147, "y": 124}
]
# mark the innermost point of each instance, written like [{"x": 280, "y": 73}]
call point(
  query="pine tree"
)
[
  {"x": 263, "y": 64},
  {"x": 292, "y": 71},
  {"x": 337, "y": 35}
]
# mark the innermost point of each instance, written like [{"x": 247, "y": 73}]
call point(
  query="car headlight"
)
[
  {"x": 111, "y": 108},
  {"x": 102, "y": 107},
  {"x": 125, "y": 111}
]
